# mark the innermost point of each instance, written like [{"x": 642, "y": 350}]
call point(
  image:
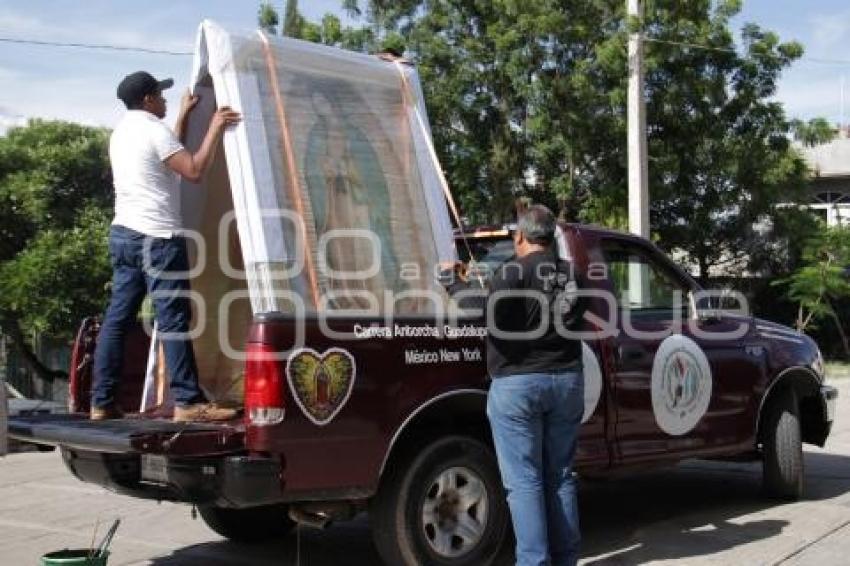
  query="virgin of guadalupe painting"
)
[{"x": 349, "y": 190}]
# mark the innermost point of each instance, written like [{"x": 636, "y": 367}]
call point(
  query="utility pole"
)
[
  {"x": 638, "y": 292},
  {"x": 636, "y": 111},
  {"x": 842, "y": 131}
]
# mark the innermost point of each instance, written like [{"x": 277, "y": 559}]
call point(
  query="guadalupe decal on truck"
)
[
  {"x": 321, "y": 383},
  {"x": 681, "y": 385}
]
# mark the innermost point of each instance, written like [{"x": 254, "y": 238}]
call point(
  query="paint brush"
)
[
  {"x": 104, "y": 545},
  {"x": 93, "y": 536}
]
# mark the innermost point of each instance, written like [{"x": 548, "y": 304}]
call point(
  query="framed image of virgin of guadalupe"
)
[
  {"x": 358, "y": 170},
  {"x": 357, "y": 173}
]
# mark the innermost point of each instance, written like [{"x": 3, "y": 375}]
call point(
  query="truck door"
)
[
  {"x": 681, "y": 386},
  {"x": 644, "y": 295},
  {"x": 593, "y": 450}
]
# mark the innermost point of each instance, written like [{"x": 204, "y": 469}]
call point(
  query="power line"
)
[
  {"x": 104, "y": 46},
  {"x": 728, "y": 50},
  {"x": 125, "y": 48}
]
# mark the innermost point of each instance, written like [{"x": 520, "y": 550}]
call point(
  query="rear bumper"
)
[{"x": 228, "y": 481}]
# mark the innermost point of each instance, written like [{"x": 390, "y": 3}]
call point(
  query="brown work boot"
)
[
  {"x": 107, "y": 412},
  {"x": 202, "y": 413}
]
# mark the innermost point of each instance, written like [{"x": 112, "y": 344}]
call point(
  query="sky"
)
[{"x": 79, "y": 84}]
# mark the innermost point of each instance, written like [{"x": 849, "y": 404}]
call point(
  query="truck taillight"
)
[{"x": 264, "y": 386}]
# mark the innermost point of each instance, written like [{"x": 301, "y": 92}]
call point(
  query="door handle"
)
[{"x": 631, "y": 353}]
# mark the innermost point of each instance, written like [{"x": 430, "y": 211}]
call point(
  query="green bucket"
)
[{"x": 80, "y": 557}]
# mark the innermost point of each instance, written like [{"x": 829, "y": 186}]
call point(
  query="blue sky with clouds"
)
[{"x": 79, "y": 85}]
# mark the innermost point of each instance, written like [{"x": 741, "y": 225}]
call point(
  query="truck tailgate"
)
[{"x": 130, "y": 435}]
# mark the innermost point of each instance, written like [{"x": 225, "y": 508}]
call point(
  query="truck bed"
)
[{"x": 133, "y": 434}]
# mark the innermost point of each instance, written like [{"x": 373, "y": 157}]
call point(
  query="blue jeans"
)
[
  {"x": 535, "y": 420},
  {"x": 131, "y": 281}
]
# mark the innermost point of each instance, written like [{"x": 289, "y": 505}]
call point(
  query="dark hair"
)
[{"x": 537, "y": 223}]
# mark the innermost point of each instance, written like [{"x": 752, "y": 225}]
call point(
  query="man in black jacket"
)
[{"x": 536, "y": 398}]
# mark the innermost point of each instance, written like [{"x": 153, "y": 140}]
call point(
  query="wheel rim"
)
[{"x": 454, "y": 512}]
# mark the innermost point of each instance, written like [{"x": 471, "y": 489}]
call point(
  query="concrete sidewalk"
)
[{"x": 696, "y": 513}]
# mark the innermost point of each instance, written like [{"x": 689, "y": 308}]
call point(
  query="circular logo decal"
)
[
  {"x": 681, "y": 385},
  {"x": 592, "y": 381}
]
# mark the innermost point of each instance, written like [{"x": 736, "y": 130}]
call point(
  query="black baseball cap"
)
[{"x": 135, "y": 86}]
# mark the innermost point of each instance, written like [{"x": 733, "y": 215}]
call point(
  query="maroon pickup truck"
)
[{"x": 391, "y": 419}]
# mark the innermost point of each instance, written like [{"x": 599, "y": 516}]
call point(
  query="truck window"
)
[
  {"x": 491, "y": 253},
  {"x": 640, "y": 283}
]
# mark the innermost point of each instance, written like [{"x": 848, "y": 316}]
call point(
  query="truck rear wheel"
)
[
  {"x": 445, "y": 506},
  {"x": 254, "y": 524},
  {"x": 782, "y": 448}
]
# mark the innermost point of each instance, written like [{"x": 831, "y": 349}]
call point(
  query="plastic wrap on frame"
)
[
  {"x": 324, "y": 195},
  {"x": 328, "y": 152}
]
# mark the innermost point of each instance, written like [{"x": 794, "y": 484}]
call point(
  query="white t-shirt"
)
[{"x": 147, "y": 197}]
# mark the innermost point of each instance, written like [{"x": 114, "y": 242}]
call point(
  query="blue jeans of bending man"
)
[
  {"x": 535, "y": 420},
  {"x": 133, "y": 277}
]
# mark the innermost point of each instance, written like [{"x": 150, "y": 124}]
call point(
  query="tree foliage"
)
[
  {"x": 823, "y": 280},
  {"x": 267, "y": 18},
  {"x": 816, "y": 131},
  {"x": 55, "y": 207},
  {"x": 293, "y": 22},
  {"x": 722, "y": 161},
  {"x": 330, "y": 31},
  {"x": 529, "y": 99}
]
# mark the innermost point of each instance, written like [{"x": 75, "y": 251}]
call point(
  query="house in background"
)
[{"x": 830, "y": 187}]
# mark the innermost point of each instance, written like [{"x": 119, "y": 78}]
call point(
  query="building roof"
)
[{"x": 830, "y": 159}]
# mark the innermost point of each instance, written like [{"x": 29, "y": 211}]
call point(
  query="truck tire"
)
[
  {"x": 782, "y": 448},
  {"x": 444, "y": 506},
  {"x": 254, "y": 524}
]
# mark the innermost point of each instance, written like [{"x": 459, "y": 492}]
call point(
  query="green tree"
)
[
  {"x": 311, "y": 32},
  {"x": 293, "y": 21},
  {"x": 357, "y": 39},
  {"x": 529, "y": 99},
  {"x": 55, "y": 205},
  {"x": 816, "y": 131},
  {"x": 822, "y": 280},
  {"x": 351, "y": 8},
  {"x": 392, "y": 43},
  {"x": 267, "y": 18},
  {"x": 721, "y": 159},
  {"x": 331, "y": 30}
]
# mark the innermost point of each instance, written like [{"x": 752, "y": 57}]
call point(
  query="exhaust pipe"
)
[
  {"x": 319, "y": 515},
  {"x": 313, "y": 520}
]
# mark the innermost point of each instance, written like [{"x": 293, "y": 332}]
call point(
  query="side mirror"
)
[{"x": 702, "y": 309}]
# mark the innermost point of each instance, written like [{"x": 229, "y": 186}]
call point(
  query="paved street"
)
[{"x": 697, "y": 513}]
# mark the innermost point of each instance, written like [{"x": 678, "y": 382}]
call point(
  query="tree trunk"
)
[
  {"x": 13, "y": 329},
  {"x": 702, "y": 276}
]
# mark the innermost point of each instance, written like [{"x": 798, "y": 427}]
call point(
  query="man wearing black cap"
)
[{"x": 147, "y": 252}]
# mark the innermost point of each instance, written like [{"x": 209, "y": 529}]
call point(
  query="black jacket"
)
[{"x": 546, "y": 290}]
